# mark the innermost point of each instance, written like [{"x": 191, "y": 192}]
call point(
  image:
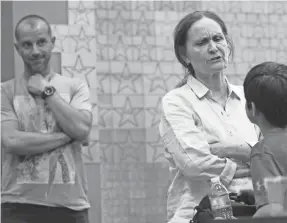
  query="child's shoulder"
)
[{"x": 258, "y": 148}]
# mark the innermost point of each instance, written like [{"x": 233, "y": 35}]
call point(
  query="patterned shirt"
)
[
  {"x": 55, "y": 178},
  {"x": 191, "y": 121}
]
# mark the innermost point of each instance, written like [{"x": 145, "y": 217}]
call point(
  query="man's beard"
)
[{"x": 39, "y": 69}]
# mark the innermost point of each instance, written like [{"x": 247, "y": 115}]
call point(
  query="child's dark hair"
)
[{"x": 266, "y": 86}]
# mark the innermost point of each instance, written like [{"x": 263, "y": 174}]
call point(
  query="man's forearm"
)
[
  {"x": 33, "y": 143},
  {"x": 74, "y": 123}
]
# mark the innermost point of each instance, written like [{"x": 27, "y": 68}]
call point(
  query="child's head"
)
[{"x": 265, "y": 88}]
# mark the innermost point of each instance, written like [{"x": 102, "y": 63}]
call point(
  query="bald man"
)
[{"x": 45, "y": 118}]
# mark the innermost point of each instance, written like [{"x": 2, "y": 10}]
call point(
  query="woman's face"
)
[{"x": 206, "y": 47}]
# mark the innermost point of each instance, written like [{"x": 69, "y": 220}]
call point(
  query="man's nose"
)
[{"x": 35, "y": 50}]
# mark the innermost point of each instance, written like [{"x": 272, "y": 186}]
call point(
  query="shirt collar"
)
[
  {"x": 197, "y": 87},
  {"x": 233, "y": 89},
  {"x": 201, "y": 90}
]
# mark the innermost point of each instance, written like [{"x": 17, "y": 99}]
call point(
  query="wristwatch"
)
[{"x": 48, "y": 91}]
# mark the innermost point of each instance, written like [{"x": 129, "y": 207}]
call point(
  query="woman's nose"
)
[{"x": 212, "y": 48}]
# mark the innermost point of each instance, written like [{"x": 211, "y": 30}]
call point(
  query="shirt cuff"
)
[{"x": 228, "y": 172}]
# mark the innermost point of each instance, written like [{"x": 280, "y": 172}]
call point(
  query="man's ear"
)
[
  {"x": 16, "y": 45},
  {"x": 53, "y": 39}
]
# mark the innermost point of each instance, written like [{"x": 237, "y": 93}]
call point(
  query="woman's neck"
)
[{"x": 215, "y": 83}]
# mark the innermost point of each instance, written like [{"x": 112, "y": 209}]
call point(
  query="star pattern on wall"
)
[
  {"x": 82, "y": 40},
  {"x": 59, "y": 46},
  {"x": 118, "y": 27},
  {"x": 79, "y": 70},
  {"x": 120, "y": 50},
  {"x": 157, "y": 150},
  {"x": 104, "y": 150},
  {"x": 155, "y": 112},
  {"x": 145, "y": 51},
  {"x": 127, "y": 81},
  {"x": 130, "y": 149},
  {"x": 128, "y": 114},
  {"x": 81, "y": 13},
  {"x": 145, "y": 27},
  {"x": 166, "y": 5},
  {"x": 119, "y": 5},
  {"x": 142, "y": 5},
  {"x": 157, "y": 81},
  {"x": 104, "y": 84},
  {"x": 87, "y": 151},
  {"x": 102, "y": 118}
]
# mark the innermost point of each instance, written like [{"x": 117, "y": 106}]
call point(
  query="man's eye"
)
[
  {"x": 41, "y": 42},
  {"x": 26, "y": 45}
]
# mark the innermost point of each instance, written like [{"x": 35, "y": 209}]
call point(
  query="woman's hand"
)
[
  {"x": 242, "y": 170},
  {"x": 235, "y": 150},
  {"x": 247, "y": 196}
]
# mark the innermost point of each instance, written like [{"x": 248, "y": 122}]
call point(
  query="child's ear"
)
[{"x": 254, "y": 110}]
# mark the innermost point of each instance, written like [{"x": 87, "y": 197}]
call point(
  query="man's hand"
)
[
  {"x": 37, "y": 84},
  {"x": 86, "y": 141}
]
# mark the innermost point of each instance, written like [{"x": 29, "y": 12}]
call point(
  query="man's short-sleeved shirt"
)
[{"x": 25, "y": 178}]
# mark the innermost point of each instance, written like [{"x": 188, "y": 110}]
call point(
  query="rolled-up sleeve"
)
[{"x": 188, "y": 146}]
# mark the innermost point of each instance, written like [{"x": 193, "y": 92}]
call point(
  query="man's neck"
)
[{"x": 46, "y": 74}]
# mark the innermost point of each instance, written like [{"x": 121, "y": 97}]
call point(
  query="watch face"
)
[{"x": 49, "y": 90}]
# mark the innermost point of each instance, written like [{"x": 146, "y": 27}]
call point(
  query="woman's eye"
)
[
  {"x": 218, "y": 38},
  {"x": 201, "y": 42}
]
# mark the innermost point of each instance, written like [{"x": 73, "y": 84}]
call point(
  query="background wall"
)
[
  {"x": 7, "y": 55},
  {"x": 124, "y": 51}
]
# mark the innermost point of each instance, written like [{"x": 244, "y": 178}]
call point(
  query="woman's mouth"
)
[{"x": 215, "y": 59}]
